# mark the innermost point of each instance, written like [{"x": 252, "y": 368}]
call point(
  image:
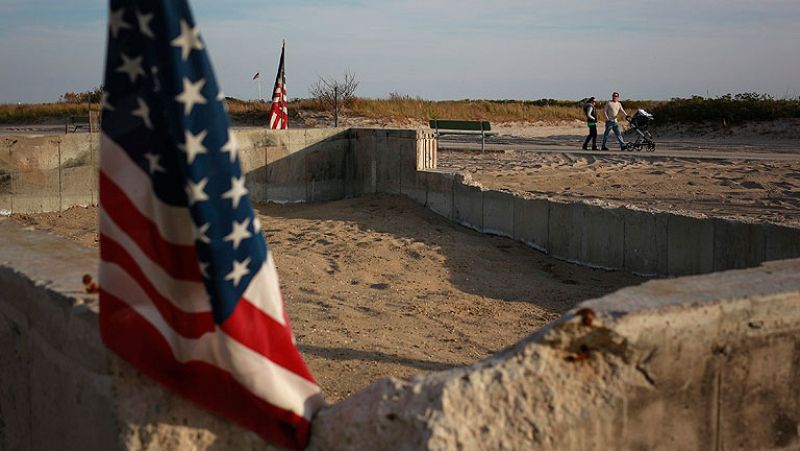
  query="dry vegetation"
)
[{"x": 729, "y": 108}]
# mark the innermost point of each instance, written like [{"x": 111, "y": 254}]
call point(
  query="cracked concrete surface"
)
[{"x": 703, "y": 362}]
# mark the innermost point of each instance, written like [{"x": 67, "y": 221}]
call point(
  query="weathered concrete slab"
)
[
  {"x": 738, "y": 245},
  {"x": 440, "y": 192},
  {"x": 565, "y": 230},
  {"x": 467, "y": 205},
  {"x": 387, "y": 161},
  {"x": 690, "y": 244},
  {"x": 781, "y": 242},
  {"x": 285, "y": 176},
  {"x": 409, "y": 146},
  {"x": 645, "y": 242},
  {"x": 498, "y": 213},
  {"x": 603, "y": 237},
  {"x": 531, "y": 222},
  {"x": 326, "y": 170},
  {"x": 693, "y": 363},
  {"x": 363, "y": 144}
]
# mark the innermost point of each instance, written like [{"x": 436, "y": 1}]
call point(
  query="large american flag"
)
[
  {"x": 189, "y": 292},
  {"x": 278, "y": 115}
]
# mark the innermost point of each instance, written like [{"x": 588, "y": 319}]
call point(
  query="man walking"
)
[
  {"x": 611, "y": 110},
  {"x": 591, "y": 120}
]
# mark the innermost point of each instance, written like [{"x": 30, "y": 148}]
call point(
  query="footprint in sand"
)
[{"x": 752, "y": 185}]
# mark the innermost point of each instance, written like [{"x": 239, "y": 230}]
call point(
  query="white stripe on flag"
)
[
  {"x": 187, "y": 296},
  {"x": 266, "y": 380},
  {"x": 264, "y": 291},
  {"x": 172, "y": 222}
]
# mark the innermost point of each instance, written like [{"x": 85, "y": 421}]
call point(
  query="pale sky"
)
[{"x": 448, "y": 49}]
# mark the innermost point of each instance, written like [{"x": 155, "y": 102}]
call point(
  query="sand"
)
[
  {"x": 754, "y": 175},
  {"x": 751, "y": 191},
  {"x": 379, "y": 286}
]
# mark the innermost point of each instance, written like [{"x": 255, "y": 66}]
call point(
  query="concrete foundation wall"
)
[
  {"x": 649, "y": 243},
  {"x": 47, "y": 173},
  {"x": 695, "y": 363},
  {"x": 39, "y": 174}
]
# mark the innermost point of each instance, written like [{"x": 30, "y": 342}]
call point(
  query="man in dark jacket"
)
[{"x": 591, "y": 120}]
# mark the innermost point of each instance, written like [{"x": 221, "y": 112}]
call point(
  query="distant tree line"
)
[
  {"x": 91, "y": 96},
  {"x": 727, "y": 109}
]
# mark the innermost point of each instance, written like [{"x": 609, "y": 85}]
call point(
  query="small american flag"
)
[
  {"x": 278, "y": 116},
  {"x": 189, "y": 291}
]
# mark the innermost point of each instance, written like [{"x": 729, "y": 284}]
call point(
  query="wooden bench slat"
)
[{"x": 460, "y": 125}]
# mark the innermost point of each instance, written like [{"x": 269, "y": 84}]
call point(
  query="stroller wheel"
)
[{"x": 651, "y": 147}]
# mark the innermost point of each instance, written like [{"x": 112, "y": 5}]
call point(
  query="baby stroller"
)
[{"x": 644, "y": 140}]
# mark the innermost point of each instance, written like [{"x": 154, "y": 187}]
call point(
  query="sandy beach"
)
[
  {"x": 379, "y": 286},
  {"x": 753, "y": 177}
]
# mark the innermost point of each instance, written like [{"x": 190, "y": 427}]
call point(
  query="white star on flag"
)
[
  {"x": 196, "y": 191},
  {"x": 188, "y": 39},
  {"x": 239, "y": 270},
  {"x": 236, "y": 192},
  {"x": 105, "y": 103},
  {"x": 191, "y": 94},
  {"x": 194, "y": 145},
  {"x": 131, "y": 66},
  {"x": 144, "y": 24},
  {"x": 143, "y": 112},
  {"x": 231, "y": 145},
  {"x": 200, "y": 233},
  {"x": 153, "y": 160},
  {"x": 239, "y": 233},
  {"x": 116, "y": 23},
  {"x": 203, "y": 268}
]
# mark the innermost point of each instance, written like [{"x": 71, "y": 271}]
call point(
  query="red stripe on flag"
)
[
  {"x": 178, "y": 261},
  {"x": 259, "y": 332},
  {"x": 209, "y": 386},
  {"x": 188, "y": 324}
]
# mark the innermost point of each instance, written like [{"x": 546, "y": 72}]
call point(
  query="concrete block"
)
[
  {"x": 325, "y": 169},
  {"x": 411, "y": 184},
  {"x": 366, "y": 170},
  {"x": 417, "y": 191},
  {"x": 387, "y": 161},
  {"x": 645, "y": 242},
  {"x": 564, "y": 230},
  {"x": 252, "y": 151},
  {"x": 602, "y": 237},
  {"x": 498, "y": 213},
  {"x": 752, "y": 392},
  {"x": 690, "y": 244},
  {"x": 738, "y": 245},
  {"x": 468, "y": 205},
  {"x": 781, "y": 242},
  {"x": 440, "y": 192},
  {"x": 531, "y": 219}
]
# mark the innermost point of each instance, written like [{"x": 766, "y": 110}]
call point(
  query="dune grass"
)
[{"x": 729, "y": 108}]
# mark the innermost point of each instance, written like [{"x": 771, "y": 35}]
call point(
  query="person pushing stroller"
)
[{"x": 612, "y": 109}]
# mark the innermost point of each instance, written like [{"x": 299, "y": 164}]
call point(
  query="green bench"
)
[
  {"x": 457, "y": 127},
  {"x": 73, "y": 123}
]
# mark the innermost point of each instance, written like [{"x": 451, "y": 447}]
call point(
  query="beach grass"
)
[{"x": 729, "y": 108}]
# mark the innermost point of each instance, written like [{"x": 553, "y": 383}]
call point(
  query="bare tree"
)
[{"x": 335, "y": 94}]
